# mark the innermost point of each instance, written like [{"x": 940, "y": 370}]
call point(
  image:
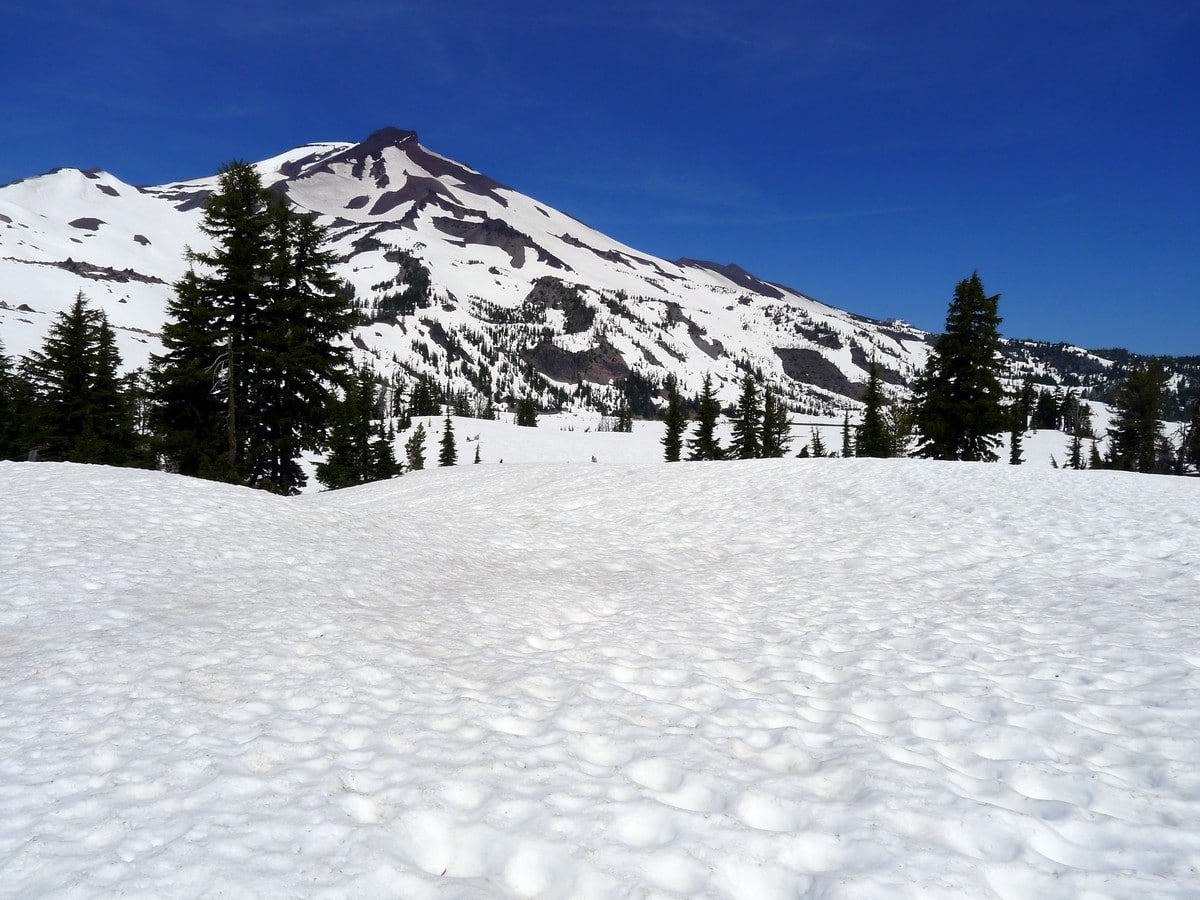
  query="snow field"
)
[{"x": 826, "y": 678}]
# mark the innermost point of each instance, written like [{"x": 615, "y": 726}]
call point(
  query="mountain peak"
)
[{"x": 384, "y": 138}]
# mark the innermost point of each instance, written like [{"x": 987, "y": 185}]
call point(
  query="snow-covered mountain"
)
[{"x": 521, "y": 298}]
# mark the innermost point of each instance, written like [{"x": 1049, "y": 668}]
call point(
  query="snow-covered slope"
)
[
  {"x": 524, "y": 299},
  {"x": 773, "y": 679}
]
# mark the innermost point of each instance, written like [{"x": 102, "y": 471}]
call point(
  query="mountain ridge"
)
[{"x": 506, "y": 297}]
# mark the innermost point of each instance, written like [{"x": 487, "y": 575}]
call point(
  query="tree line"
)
[
  {"x": 958, "y": 411},
  {"x": 255, "y": 372}
]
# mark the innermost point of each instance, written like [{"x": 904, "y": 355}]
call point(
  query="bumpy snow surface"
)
[{"x": 825, "y": 678}]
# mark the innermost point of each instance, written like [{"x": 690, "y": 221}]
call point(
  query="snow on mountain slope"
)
[
  {"x": 523, "y": 299},
  {"x": 611, "y": 309},
  {"x": 843, "y": 679}
]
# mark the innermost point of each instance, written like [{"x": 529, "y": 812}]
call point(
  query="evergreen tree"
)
[
  {"x": 1137, "y": 425},
  {"x": 704, "y": 444},
  {"x": 251, "y": 347},
  {"x": 1094, "y": 460},
  {"x": 873, "y": 437},
  {"x": 901, "y": 421},
  {"x": 448, "y": 454},
  {"x": 414, "y": 448},
  {"x": 625, "y": 417},
  {"x": 1016, "y": 416},
  {"x": 79, "y": 411},
  {"x": 360, "y": 450},
  {"x": 477, "y": 458},
  {"x": 1190, "y": 451},
  {"x": 746, "y": 441},
  {"x": 1075, "y": 452},
  {"x": 776, "y": 427},
  {"x": 818, "y": 445},
  {"x": 296, "y": 358},
  {"x": 527, "y": 412},
  {"x": 847, "y": 444},
  {"x": 959, "y": 396},
  {"x": 676, "y": 421},
  {"x": 10, "y": 424}
]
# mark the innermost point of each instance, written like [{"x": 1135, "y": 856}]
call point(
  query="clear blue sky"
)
[{"x": 869, "y": 153}]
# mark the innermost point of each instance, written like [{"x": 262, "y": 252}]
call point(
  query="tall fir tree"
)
[
  {"x": 703, "y": 445},
  {"x": 959, "y": 407},
  {"x": 527, "y": 412},
  {"x": 251, "y": 347},
  {"x": 360, "y": 450},
  {"x": 675, "y": 418},
  {"x": 747, "y": 422},
  {"x": 873, "y": 438},
  {"x": 1137, "y": 424},
  {"x": 10, "y": 418},
  {"x": 818, "y": 445},
  {"x": 414, "y": 449},
  {"x": 847, "y": 439},
  {"x": 776, "y": 435},
  {"x": 79, "y": 410},
  {"x": 1016, "y": 416},
  {"x": 448, "y": 452},
  {"x": 1190, "y": 451}
]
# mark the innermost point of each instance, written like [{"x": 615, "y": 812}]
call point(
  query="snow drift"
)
[{"x": 827, "y": 678}]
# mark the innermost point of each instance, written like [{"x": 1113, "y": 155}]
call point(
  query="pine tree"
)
[
  {"x": 527, "y": 412},
  {"x": 1190, "y": 451},
  {"x": 624, "y": 417},
  {"x": 80, "y": 412},
  {"x": 448, "y": 454},
  {"x": 477, "y": 457},
  {"x": 959, "y": 395},
  {"x": 746, "y": 441},
  {"x": 360, "y": 450},
  {"x": 776, "y": 427},
  {"x": 296, "y": 357},
  {"x": 12, "y": 425},
  {"x": 703, "y": 444},
  {"x": 414, "y": 448},
  {"x": 675, "y": 417},
  {"x": 1015, "y": 434},
  {"x": 847, "y": 442},
  {"x": 1094, "y": 460},
  {"x": 873, "y": 438},
  {"x": 818, "y": 445},
  {"x": 251, "y": 347},
  {"x": 1137, "y": 425}
]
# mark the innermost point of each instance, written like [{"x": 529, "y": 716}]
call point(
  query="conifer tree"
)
[
  {"x": 747, "y": 423},
  {"x": 1094, "y": 460},
  {"x": 703, "y": 445},
  {"x": 675, "y": 417},
  {"x": 448, "y": 454},
  {"x": 251, "y": 348},
  {"x": 79, "y": 411},
  {"x": 527, "y": 412},
  {"x": 11, "y": 424},
  {"x": 414, "y": 448},
  {"x": 847, "y": 443},
  {"x": 776, "y": 427},
  {"x": 818, "y": 445},
  {"x": 1137, "y": 425},
  {"x": 1016, "y": 416},
  {"x": 1190, "y": 451},
  {"x": 873, "y": 438},
  {"x": 958, "y": 410},
  {"x": 360, "y": 450},
  {"x": 478, "y": 460}
]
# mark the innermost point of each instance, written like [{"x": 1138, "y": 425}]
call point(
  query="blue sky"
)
[{"x": 868, "y": 153}]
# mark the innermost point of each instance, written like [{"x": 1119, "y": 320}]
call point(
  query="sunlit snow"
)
[{"x": 770, "y": 679}]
